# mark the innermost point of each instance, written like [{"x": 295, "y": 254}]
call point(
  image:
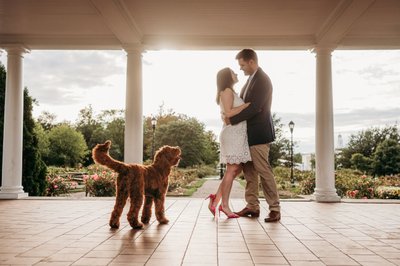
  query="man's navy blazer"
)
[{"x": 260, "y": 128}]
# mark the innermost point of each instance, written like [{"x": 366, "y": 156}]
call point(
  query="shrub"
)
[
  {"x": 57, "y": 185},
  {"x": 180, "y": 178},
  {"x": 353, "y": 184},
  {"x": 282, "y": 178},
  {"x": 362, "y": 188},
  {"x": 345, "y": 180},
  {"x": 391, "y": 181},
  {"x": 307, "y": 186},
  {"x": 100, "y": 182},
  {"x": 383, "y": 192},
  {"x": 205, "y": 170}
]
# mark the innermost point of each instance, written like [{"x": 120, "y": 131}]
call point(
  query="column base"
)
[
  {"x": 325, "y": 196},
  {"x": 12, "y": 193}
]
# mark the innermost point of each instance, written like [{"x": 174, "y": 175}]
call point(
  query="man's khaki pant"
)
[{"x": 259, "y": 166}]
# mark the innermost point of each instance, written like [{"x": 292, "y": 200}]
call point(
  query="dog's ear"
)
[{"x": 107, "y": 143}]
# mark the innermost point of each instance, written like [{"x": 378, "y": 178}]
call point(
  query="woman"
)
[{"x": 234, "y": 148}]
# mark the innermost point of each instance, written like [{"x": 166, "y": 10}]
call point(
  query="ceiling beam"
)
[
  {"x": 63, "y": 42},
  {"x": 118, "y": 20},
  {"x": 194, "y": 42},
  {"x": 339, "y": 22}
]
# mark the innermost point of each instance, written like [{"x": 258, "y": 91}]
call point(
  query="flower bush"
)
[
  {"x": 57, "y": 185},
  {"x": 384, "y": 192},
  {"x": 353, "y": 184},
  {"x": 100, "y": 182},
  {"x": 362, "y": 188},
  {"x": 307, "y": 186},
  {"x": 180, "y": 178},
  {"x": 282, "y": 177}
]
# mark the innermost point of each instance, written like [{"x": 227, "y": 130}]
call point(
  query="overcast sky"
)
[{"x": 366, "y": 86}]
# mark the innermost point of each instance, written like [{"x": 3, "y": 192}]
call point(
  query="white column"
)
[
  {"x": 325, "y": 190},
  {"x": 13, "y": 124},
  {"x": 133, "y": 148}
]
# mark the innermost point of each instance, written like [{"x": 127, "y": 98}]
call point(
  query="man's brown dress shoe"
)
[
  {"x": 273, "y": 216},
  {"x": 246, "y": 212}
]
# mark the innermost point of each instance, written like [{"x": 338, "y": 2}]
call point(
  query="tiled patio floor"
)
[{"x": 76, "y": 232}]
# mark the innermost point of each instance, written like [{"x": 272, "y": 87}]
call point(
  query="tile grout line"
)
[
  {"x": 136, "y": 230},
  {"x": 191, "y": 235},
  {"x": 177, "y": 218}
]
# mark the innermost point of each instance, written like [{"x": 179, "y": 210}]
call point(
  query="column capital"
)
[
  {"x": 323, "y": 49},
  {"x": 133, "y": 48},
  {"x": 15, "y": 49}
]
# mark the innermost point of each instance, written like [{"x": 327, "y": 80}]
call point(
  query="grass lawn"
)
[{"x": 187, "y": 190}]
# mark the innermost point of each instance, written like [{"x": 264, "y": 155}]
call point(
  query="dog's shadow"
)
[{"x": 146, "y": 237}]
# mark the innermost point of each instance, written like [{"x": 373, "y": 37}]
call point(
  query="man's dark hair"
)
[{"x": 247, "y": 55}]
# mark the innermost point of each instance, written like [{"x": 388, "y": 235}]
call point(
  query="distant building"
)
[
  {"x": 339, "y": 142},
  {"x": 306, "y": 161}
]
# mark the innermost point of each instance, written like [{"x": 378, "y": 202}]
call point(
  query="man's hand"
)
[{"x": 227, "y": 120}]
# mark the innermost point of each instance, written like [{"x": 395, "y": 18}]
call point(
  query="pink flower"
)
[
  {"x": 85, "y": 177},
  {"x": 55, "y": 186},
  {"x": 95, "y": 177},
  {"x": 363, "y": 176}
]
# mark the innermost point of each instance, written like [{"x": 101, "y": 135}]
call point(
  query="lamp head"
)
[
  {"x": 153, "y": 122},
  {"x": 291, "y": 126}
]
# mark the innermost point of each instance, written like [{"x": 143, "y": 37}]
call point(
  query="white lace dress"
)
[{"x": 234, "y": 148}]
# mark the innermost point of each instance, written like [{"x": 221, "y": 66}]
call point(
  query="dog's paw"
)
[
  {"x": 163, "y": 220},
  {"x": 145, "y": 220},
  {"x": 136, "y": 225},
  {"x": 114, "y": 224}
]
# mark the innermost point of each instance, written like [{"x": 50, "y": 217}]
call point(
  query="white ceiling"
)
[{"x": 200, "y": 24}]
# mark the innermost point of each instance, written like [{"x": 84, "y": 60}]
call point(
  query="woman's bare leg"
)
[{"x": 232, "y": 170}]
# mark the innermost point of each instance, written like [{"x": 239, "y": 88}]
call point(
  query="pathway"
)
[{"x": 211, "y": 186}]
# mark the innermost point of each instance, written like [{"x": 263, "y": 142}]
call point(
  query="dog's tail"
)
[{"x": 101, "y": 156}]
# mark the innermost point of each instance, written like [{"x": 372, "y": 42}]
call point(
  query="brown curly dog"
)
[{"x": 136, "y": 180}]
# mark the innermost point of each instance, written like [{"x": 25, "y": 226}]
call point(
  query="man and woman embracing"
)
[{"x": 245, "y": 139}]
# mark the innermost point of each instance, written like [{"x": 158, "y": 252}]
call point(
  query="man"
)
[{"x": 260, "y": 132}]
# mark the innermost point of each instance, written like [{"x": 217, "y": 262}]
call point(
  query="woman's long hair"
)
[{"x": 224, "y": 80}]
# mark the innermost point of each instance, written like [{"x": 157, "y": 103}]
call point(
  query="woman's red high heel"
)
[
  {"x": 230, "y": 216},
  {"x": 211, "y": 207}
]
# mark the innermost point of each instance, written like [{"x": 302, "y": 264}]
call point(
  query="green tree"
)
[
  {"x": 87, "y": 124},
  {"x": 113, "y": 126},
  {"x": 115, "y": 132},
  {"x": 189, "y": 134},
  {"x": 43, "y": 140},
  {"x": 280, "y": 148},
  {"x": 162, "y": 118},
  {"x": 67, "y": 146},
  {"x": 47, "y": 120},
  {"x": 361, "y": 163},
  {"x": 366, "y": 142},
  {"x": 33, "y": 168},
  {"x": 211, "y": 155},
  {"x": 387, "y": 158}
]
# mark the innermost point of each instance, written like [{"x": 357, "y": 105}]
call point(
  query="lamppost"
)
[
  {"x": 153, "y": 125},
  {"x": 291, "y": 126}
]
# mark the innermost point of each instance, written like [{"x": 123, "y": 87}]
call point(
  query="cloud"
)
[
  {"x": 306, "y": 120},
  {"x": 368, "y": 117},
  {"x": 365, "y": 118},
  {"x": 61, "y": 77},
  {"x": 377, "y": 72}
]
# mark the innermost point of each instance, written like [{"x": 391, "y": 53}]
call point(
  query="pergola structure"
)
[{"x": 139, "y": 25}]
